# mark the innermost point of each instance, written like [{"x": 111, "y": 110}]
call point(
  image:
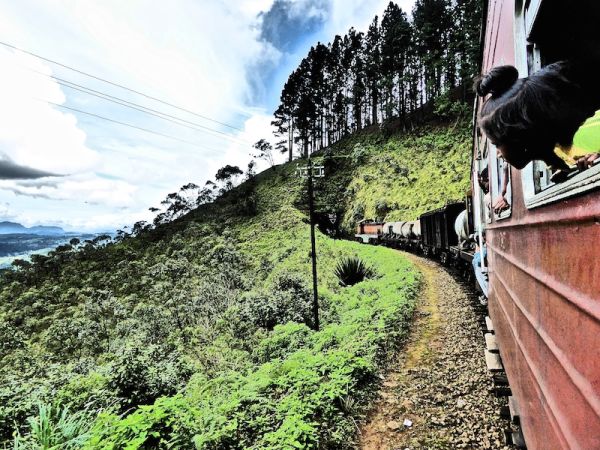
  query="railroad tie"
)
[
  {"x": 493, "y": 361},
  {"x": 489, "y": 324},
  {"x": 490, "y": 343},
  {"x": 513, "y": 408},
  {"x": 515, "y": 438}
]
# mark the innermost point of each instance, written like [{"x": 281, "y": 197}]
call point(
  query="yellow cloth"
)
[{"x": 586, "y": 141}]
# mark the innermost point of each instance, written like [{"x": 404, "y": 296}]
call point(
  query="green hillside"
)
[
  {"x": 198, "y": 334},
  {"x": 401, "y": 176}
]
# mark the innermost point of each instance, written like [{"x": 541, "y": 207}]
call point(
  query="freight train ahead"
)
[{"x": 444, "y": 233}]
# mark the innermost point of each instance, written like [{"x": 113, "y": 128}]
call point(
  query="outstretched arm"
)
[{"x": 501, "y": 204}]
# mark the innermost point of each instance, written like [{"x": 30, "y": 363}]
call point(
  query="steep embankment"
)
[
  {"x": 199, "y": 333},
  {"x": 396, "y": 177}
]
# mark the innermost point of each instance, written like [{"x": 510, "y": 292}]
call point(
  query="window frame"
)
[
  {"x": 495, "y": 175},
  {"x": 528, "y": 60}
]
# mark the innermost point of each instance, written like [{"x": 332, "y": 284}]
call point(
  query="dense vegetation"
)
[
  {"x": 396, "y": 177},
  {"x": 388, "y": 72},
  {"x": 200, "y": 330},
  {"x": 196, "y": 330}
]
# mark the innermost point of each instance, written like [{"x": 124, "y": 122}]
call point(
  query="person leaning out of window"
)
[{"x": 538, "y": 117}]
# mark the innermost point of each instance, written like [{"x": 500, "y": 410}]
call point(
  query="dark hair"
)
[
  {"x": 482, "y": 179},
  {"x": 497, "y": 81},
  {"x": 529, "y": 116}
]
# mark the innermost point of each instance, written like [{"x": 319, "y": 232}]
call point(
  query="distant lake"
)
[{"x": 22, "y": 246}]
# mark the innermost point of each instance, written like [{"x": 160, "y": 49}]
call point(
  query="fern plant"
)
[
  {"x": 352, "y": 270},
  {"x": 54, "y": 428}
]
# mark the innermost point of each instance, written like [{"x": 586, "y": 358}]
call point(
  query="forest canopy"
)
[{"x": 390, "y": 71}]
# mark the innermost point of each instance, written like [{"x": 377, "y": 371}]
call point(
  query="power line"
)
[
  {"x": 125, "y": 124},
  {"x": 161, "y": 115},
  {"x": 120, "y": 101},
  {"x": 119, "y": 85}
]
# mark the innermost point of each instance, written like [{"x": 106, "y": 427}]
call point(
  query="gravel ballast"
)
[{"x": 437, "y": 394}]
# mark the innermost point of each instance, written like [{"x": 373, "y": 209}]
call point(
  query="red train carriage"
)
[{"x": 543, "y": 252}]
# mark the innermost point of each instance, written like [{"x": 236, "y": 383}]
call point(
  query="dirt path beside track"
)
[{"x": 439, "y": 384}]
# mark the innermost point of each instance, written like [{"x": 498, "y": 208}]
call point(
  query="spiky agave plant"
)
[{"x": 352, "y": 270}]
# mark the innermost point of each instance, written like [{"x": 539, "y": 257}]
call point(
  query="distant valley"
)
[{"x": 18, "y": 241}]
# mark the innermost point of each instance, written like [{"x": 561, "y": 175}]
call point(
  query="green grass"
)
[
  {"x": 296, "y": 400},
  {"x": 588, "y": 136},
  {"x": 404, "y": 177},
  {"x": 252, "y": 386}
]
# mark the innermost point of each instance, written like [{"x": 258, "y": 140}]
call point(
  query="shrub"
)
[
  {"x": 165, "y": 424},
  {"x": 352, "y": 270},
  {"x": 358, "y": 212},
  {"x": 288, "y": 299},
  {"x": 89, "y": 390},
  {"x": 283, "y": 341},
  {"x": 54, "y": 427},
  {"x": 446, "y": 108},
  {"x": 141, "y": 374},
  {"x": 382, "y": 208}
]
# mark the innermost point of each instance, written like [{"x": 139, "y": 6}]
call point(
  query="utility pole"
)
[
  {"x": 311, "y": 208},
  {"x": 311, "y": 215}
]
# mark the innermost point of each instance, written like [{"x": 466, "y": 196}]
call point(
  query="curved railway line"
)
[{"x": 439, "y": 381}]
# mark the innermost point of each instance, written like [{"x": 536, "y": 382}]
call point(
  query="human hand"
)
[
  {"x": 587, "y": 161},
  {"x": 500, "y": 204}
]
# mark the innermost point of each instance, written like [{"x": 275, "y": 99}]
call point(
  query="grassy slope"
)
[
  {"x": 408, "y": 176},
  {"x": 397, "y": 177},
  {"x": 308, "y": 391},
  {"x": 311, "y": 384},
  {"x": 297, "y": 388},
  {"x": 307, "y": 397}
]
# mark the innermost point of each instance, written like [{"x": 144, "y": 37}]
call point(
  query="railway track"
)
[{"x": 440, "y": 384}]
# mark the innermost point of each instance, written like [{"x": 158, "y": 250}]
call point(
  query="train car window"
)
[
  {"x": 539, "y": 43},
  {"x": 482, "y": 185},
  {"x": 500, "y": 198}
]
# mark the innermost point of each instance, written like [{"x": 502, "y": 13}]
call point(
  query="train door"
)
[{"x": 439, "y": 230}]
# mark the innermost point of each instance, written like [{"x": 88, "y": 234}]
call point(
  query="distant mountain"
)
[
  {"x": 46, "y": 230},
  {"x": 11, "y": 227},
  {"x": 41, "y": 230}
]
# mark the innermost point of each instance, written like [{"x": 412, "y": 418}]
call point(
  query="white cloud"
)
[
  {"x": 257, "y": 127},
  {"x": 308, "y": 9},
  {"x": 82, "y": 188},
  {"x": 251, "y": 8},
  {"x": 359, "y": 14},
  {"x": 201, "y": 55},
  {"x": 5, "y": 211},
  {"x": 33, "y": 133}
]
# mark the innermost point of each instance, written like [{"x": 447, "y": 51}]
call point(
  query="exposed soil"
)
[{"x": 437, "y": 395}]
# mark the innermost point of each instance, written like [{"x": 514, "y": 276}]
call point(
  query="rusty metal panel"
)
[
  {"x": 499, "y": 46},
  {"x": 373, "y": 228},
  {"x": 544, "y": 285}
]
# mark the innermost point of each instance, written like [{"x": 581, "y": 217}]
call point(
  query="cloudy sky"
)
[{"x": 218, "y": 66}]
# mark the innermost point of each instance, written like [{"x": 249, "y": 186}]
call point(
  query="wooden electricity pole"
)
[{"x": 313, "y": 245}]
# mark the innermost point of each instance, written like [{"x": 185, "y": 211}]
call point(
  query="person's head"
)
[
  {"x": 484, "y": 180},
  {"x": 525, "y": 118}
]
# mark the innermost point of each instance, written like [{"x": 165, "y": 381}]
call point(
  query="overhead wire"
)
[
  {"x": 104, "y": 80},
  {"x": 124, "y": 123},
  {"x": 161, "y": 115}
]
